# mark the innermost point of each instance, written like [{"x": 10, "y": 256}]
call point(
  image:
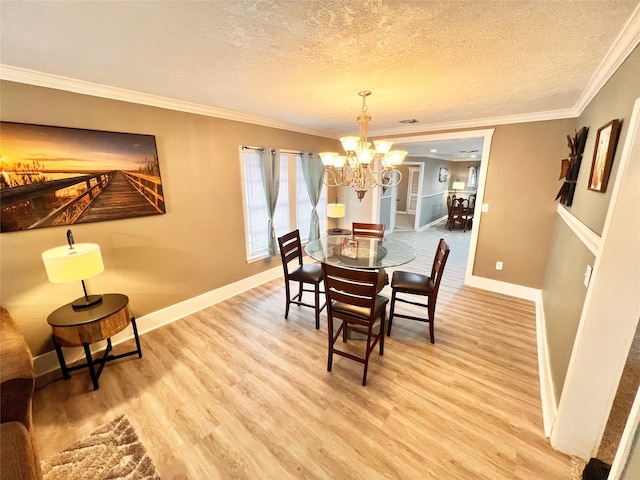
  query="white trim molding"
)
[
  {"x": 40, "y": 79},
  {"x": 547, "y": 390},
  {"x": 590, "y": 239},
  {"x": 627, "y": 41}
]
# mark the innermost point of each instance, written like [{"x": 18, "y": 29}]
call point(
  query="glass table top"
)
[{"x": 360, "y": 252}]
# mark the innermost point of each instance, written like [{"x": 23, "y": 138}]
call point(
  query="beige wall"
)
[
  {"x": 521, "y": 185},
  {"x": 196, "y": 247}
]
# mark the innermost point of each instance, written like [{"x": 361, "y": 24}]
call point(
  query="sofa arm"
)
[{"x": 17, "y": 375}]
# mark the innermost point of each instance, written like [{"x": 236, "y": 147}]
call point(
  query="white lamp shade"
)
[
  {"x": 335, "y": 210},
  {"x": 382, "y": 146},
  {"x": 328, "y": 158},
  {"x": 65, "y": 264},
  {"x": 350, "y": 143},
  {"x": 457, "y": 185}
]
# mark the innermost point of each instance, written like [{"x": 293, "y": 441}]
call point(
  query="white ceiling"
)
[{"x": 302, "y": 62}]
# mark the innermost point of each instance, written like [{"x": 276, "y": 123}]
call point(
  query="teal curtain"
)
[
  {"x": 312, "y": 168},
  {"x": 270, "y": 172}
]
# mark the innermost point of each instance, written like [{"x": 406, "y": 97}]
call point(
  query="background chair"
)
[
  {"x": 311, "y": 273},
  {"x": 416, "y": 284},
  {"x": 352, "y": 298},
  {"x": 372, "y": 230},
  {"x": 460, "y": 215}
]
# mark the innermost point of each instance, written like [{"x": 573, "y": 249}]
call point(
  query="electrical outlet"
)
[
  {"x": 485, "y": 207},
  {"x": 498, "y": 265}
]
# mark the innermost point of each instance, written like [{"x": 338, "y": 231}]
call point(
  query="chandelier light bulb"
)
[
  {"x": 350, "y": 143},
  {"x": 382, "y": 146},
  {"x": 328, "y": 158}
]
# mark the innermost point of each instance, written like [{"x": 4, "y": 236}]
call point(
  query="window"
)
[{"x": 293, "y": 208}]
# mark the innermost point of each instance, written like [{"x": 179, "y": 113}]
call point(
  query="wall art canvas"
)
[
  {"x": 603, "y": 154},
  {"x": 443, "y": 174},
  {"x": 51, "y": 176}
]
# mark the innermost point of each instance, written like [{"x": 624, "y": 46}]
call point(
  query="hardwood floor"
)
[{"x": 237, "y": 391}]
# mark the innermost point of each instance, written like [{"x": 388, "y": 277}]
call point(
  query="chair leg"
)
[
  {"x": 288, "y": 299},
  {"x": 330, "y": 333},
  {"x": 366, "y": 366},
  {"x": 393, "y": 304},
  {"x": 300, "y": 285},
  {"x": 432, "y": 312},
  {"x": 317, "y": 308},
  {"x": 381, "y": 333}
]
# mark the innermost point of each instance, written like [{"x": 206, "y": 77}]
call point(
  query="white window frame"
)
[{"x": 288, "y": 187}]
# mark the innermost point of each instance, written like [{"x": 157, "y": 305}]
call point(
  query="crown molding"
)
[
  {"x": 479, "y": 122},
  {"x": 627, "y": 41},
  {"x": 40, "y": 79}
]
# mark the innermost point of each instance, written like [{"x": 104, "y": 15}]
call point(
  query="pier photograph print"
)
[{"x": 51, "y": 176}]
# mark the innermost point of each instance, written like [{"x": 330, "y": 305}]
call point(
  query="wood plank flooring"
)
[{"x": 237, "y": 392}]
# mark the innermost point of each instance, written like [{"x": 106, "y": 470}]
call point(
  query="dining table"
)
[{"x": 360, "y": 252}]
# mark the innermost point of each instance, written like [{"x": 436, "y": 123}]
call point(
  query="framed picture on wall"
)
[
  {"x": 443, "y": 174},
  {"x": 52, "y": 176},
  {"x": 472, "y": 181},
  {"x": 603, "y": 154}
]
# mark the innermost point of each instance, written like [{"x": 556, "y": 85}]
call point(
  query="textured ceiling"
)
[{"x": 303, "y": 62}]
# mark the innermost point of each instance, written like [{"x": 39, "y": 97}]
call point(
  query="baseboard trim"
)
[
  {"x": 435, "y": 222},
  {"x": 496, "y": 286},
  {"x": 48, "y": 362},
  {"x": 547, "y": 390}
]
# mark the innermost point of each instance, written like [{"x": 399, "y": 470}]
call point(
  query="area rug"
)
[
  {"x": 111, "y": 452},
  {"x": 577, "y": 466}
]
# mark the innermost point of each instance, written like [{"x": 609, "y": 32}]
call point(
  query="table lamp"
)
[
  {"x": 335, "y": 210},
  {"x": 457, "y": 185},
  {"x": 77, "y": 262}
]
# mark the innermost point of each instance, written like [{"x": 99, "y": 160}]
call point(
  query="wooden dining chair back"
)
[
  {"x": 372, "y": 230},
  {"x": 300, "y": 272},
  {"x": 460, "y": 214},
  {"x": 450, "y": 211},
  {"x": 353, "y": 303},
  {"x": 421, "y": 285}
]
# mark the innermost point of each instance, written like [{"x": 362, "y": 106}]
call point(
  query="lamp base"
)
[{"x": 86, "y": 302}]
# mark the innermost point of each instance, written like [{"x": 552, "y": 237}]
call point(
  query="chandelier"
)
[{"x": 363, "y": 167}]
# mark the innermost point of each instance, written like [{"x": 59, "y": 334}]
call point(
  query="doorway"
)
[{"x": 431, "y": 208}]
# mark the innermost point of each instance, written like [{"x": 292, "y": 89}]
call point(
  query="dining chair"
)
[
  {"x": 420, "y": 285},
  {"x": 309, "y": 273},
  {"x": 372, "y": 230},
  {"x": 352, "y": 300},
  {"x": 460, "y": 214}
]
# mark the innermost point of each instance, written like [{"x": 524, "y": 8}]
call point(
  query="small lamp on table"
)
[
  {"x": 72, "y": 263},
  {"x": 337, "y": 211}
]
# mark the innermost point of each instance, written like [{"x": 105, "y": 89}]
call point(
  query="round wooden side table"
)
[{"x": 81, "y": 328}]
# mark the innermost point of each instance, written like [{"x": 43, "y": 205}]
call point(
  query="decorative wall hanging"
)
[
  {"x": 443, "y": 174},
  {"x": 603, "y": 154},
  {"x": 571, "y": 166},
  {"x": 472, "y": 180},
  {"x": 52, "y": 176}
]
